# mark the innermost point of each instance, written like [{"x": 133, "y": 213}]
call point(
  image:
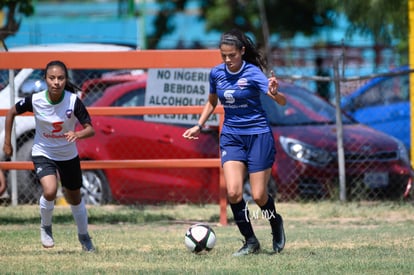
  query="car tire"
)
[
  {"x": 29, "y": 189},
  {"x": 247, "y": 191},
  {"x": 95, "y": 190}
]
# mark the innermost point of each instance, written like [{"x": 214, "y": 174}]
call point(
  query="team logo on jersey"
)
[
  {"x": 228, "y": 95},
  {"x": 69, "y": 113},
  {"x": 242, "y": 83}
]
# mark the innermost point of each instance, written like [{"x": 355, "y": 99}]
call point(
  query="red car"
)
[
  {"x": 376, "y": 164},
  {"x": 306, "y": 163},
  {"x": 131, "y": 137}
]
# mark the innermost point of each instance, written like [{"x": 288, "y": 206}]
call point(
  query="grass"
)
[{"x": 322, "y": 238}]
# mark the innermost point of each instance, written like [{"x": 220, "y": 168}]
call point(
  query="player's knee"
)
[
  {"x": 234, "y": 196},
  {"x": 49, "y": 195},
  {"x": 260, "y": 199},
  {"x": 73, "y": 197}
]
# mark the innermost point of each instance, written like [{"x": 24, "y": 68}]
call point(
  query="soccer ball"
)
[{"x": 200, "y": 237}]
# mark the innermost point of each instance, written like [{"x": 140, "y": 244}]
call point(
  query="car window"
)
[
  {"x": 390, "y": 90},
  {"x": 4, "y": 78},
  {"x": 94, "y": 92},
  {"x": 79, "y": 76},
  {"x": 302, "y": 108},
  {"x": 32, "y": 84},
  {"x": 131, "y": 99}
]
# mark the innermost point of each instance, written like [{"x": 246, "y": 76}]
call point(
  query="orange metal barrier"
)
[
  {"x": 117, "y": 60},
  {"x": 154, "y": 163},
  {"x": 127, "y": 60}
]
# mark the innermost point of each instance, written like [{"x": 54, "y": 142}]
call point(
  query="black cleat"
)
[
  {"x": 251, "y": 246},
  {"x": 278, "y": 232},
  {"x": 86, "y": 242}
]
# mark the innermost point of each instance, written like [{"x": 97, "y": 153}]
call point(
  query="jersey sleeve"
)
[
  {"x": 260, "y": 80},
  {"x": 212, "y": 81},
  {"x": 24, "y": 105},
  {"x": 81, "y": 113}
]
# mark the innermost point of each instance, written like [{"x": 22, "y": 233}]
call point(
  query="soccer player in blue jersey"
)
[
  {"x": 54, "y": 153},
  {"x": 246, "y": 140}
]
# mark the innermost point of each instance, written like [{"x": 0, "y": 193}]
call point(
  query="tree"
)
[
  {"x": 384, "y": 20},
  {"x": 284, "y": 19},
  {"x": 13, "y": 9}
]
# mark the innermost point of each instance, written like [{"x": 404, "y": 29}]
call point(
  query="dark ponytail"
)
[
  {"x": 69, "y": 85},
  {"x": 238, "y": 39}
]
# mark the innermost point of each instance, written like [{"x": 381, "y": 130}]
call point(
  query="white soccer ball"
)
[{"x": 200, "y": 237}]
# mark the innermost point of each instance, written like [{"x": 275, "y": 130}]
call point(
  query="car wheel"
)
[
  {"x": 29, "y": 189},
  {"x": 95, "y": 190},
  {"x": 247, "y": 191}
]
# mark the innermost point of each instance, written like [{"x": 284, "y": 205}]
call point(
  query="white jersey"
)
[{"x": 53, "y": 120}]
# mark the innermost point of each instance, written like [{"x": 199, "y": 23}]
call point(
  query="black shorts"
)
[{"x": 69, "y": 170}]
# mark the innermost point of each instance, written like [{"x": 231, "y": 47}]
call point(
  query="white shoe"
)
[{"x": 46, "y": 236}]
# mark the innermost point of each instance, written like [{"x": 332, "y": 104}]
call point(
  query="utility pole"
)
[
  {"x": 411, "y": 63},
  {"x": 265, "y": 31}
]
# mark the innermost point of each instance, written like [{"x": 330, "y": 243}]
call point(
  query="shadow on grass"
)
[
  {"x": 132, "y": 215},
  {"x": 95, "y": 218}
]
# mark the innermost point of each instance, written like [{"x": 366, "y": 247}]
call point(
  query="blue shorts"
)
[
  {"x": 256, "y": 151},
  {"x": 70, "y": 172}
]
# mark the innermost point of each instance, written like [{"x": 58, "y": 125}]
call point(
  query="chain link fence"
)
[{"x": 319, "y": 156}]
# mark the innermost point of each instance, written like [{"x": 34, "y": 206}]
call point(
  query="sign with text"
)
[{"x": 178, "y": 87}]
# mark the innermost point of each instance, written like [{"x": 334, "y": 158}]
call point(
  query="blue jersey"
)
[{"x": 239, "y": 93}]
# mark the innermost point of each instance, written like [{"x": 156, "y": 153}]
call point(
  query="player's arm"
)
[
  {"x": 273, "y": 91},
  {"x": 209, "y": 107},
  {"x": 3, "y": 184},
  {"x": 278, "y": 97},
  {"x": 7, "y": 146},
  {"x": 24, "y": 105}
]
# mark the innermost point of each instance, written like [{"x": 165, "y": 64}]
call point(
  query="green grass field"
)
[{"x": 322, "y": 238}]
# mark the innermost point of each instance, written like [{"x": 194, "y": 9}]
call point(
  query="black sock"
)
[
  {"x": 269, "y": 211},
  {"x": 242, "y": 219}
]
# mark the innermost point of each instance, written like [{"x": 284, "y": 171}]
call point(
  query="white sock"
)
[
  {"x": 46, "y": 211},
  {"x": 81, "y": 217}
]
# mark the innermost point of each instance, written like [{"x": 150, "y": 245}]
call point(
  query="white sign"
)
[{"x": 178, "y": 87}]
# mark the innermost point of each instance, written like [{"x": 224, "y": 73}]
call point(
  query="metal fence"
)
[{"x": 321, "y": 154}]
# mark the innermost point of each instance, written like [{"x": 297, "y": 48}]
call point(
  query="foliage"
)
[
  {"x": 285, "y": 20},
  {"x": 383, "y": 19},
  {"x": 221, "y": 15},
  {"x": 14, "y": 9}
]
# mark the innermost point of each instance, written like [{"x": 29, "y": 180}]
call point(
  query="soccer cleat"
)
[
  {"x": 278, "y": 232},
  {"x": 251, "y": 246},
  {"x": 86, "y": 242},
  {"x": 46, "y": 236}
]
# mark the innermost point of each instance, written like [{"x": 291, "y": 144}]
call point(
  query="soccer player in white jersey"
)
[
  {"x": 3, "y": 184},
  {"x": 246, "y": 140},
  {"x": 54, "y": 153}
]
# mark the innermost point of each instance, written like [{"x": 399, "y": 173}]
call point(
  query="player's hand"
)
[
  {"x": 273, "y": 84},
  {"x": 192, "y": 133},
  {"x": 8, "y": 149},
  {"x": 71, "y": 136}
]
